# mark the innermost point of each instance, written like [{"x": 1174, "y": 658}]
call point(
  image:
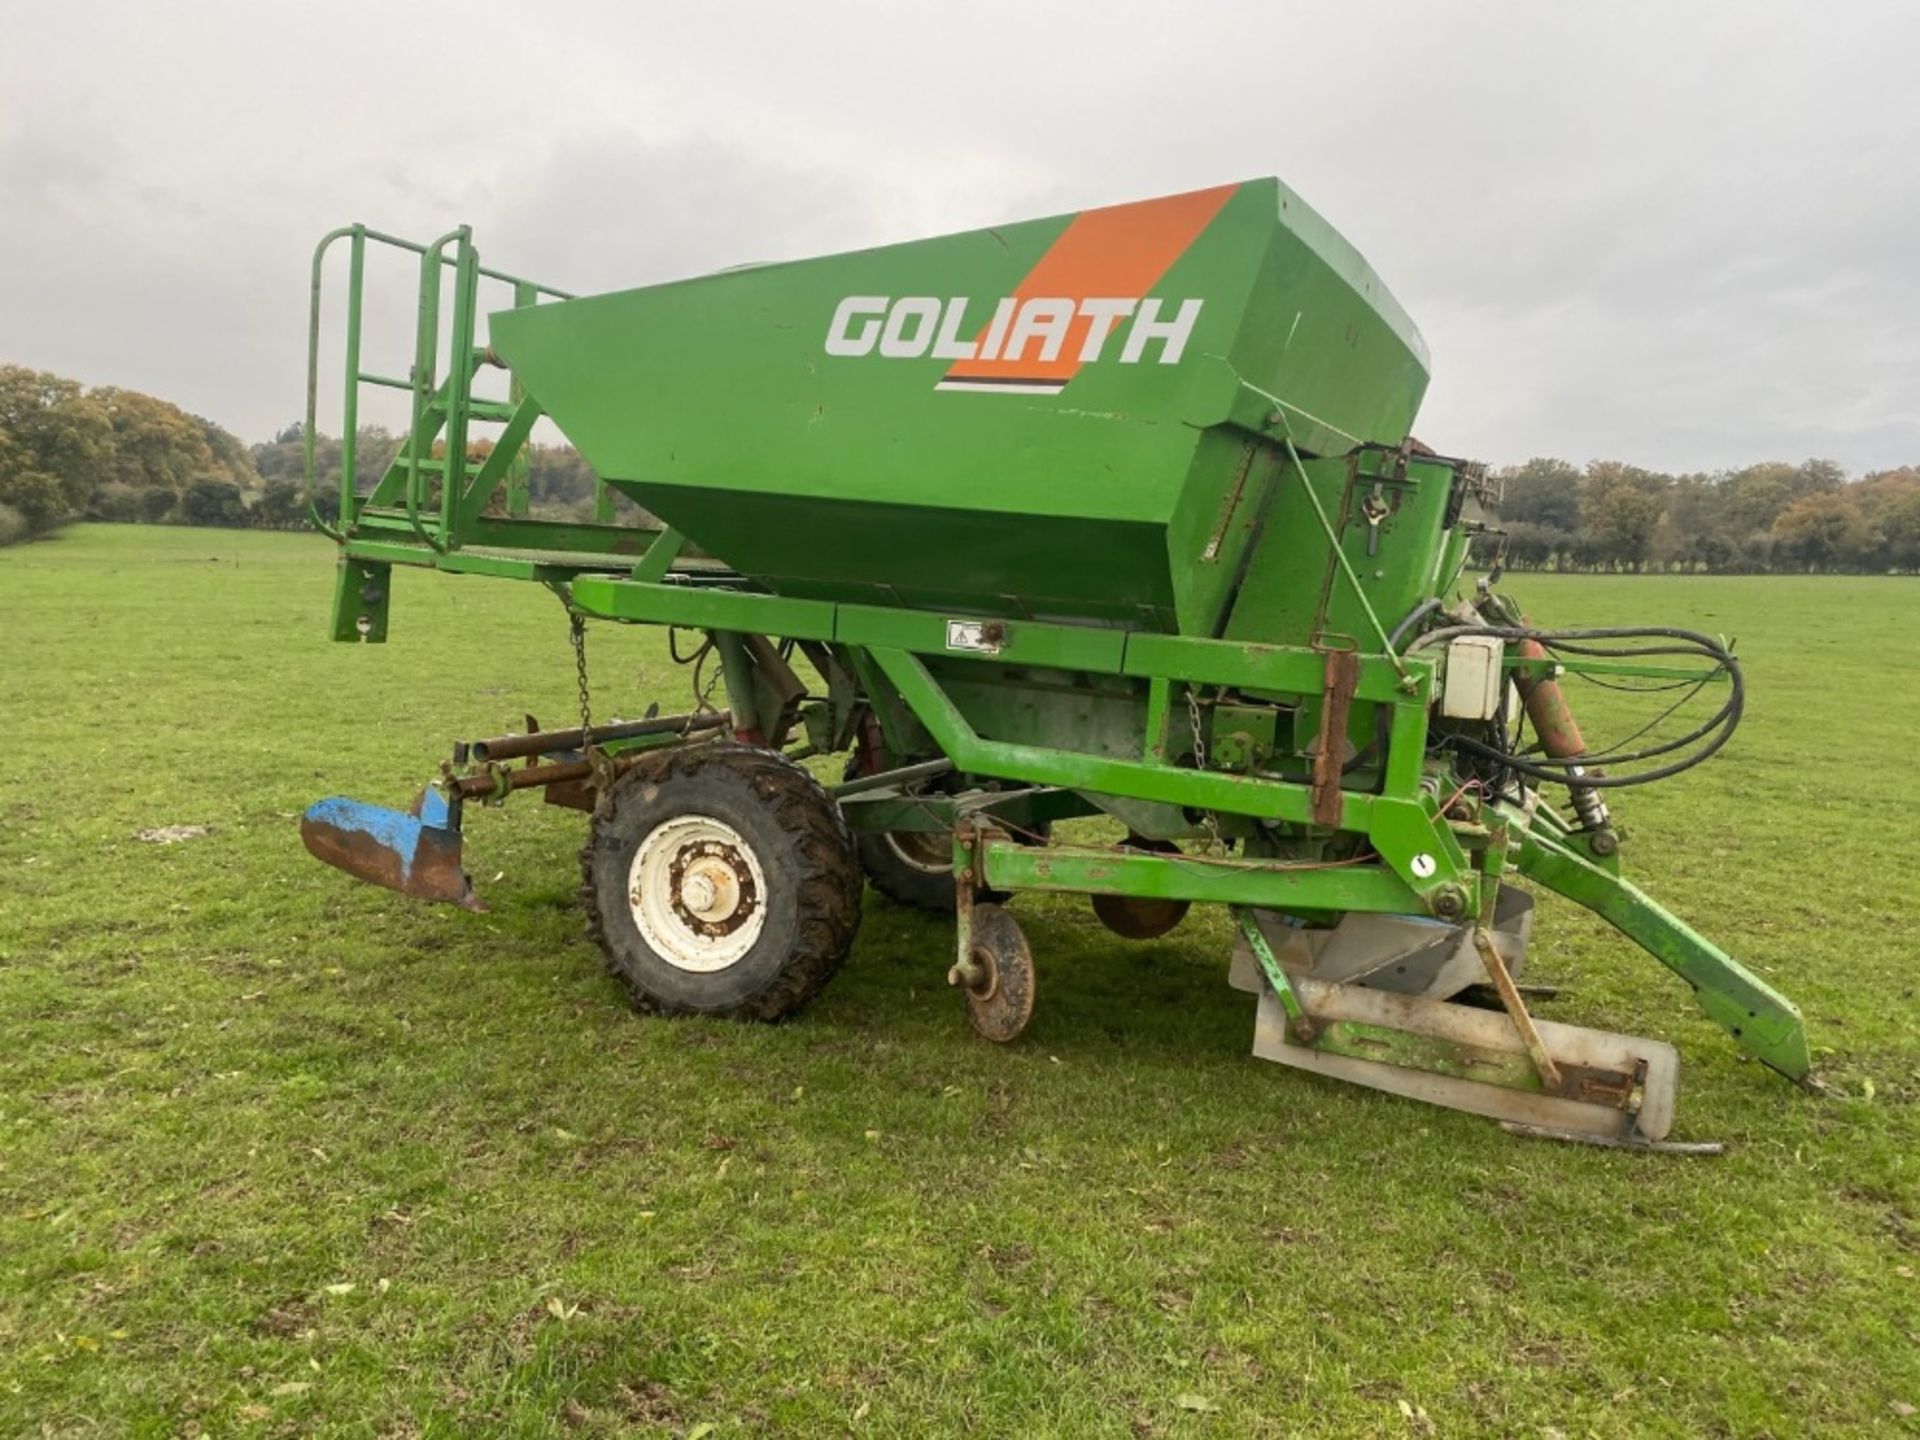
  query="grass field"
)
[{"x": 283, "y": 1154}]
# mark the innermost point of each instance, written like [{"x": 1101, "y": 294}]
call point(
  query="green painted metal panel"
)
[
  {"x": 362, "y": 597},
  {"x": 1084, "y": 870},
  {"x": 1015, "y": 642},
  {"x": 820, "y": 427},
  {"x": 703, "y": 608},
  {"x": 1283, "y": 669},
  {"x": 1295, "y": 584}
]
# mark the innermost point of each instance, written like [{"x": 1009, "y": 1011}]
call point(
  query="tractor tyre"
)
[
  {"x": 720, "y": 880},
  {"x": 910, "y": 867}
]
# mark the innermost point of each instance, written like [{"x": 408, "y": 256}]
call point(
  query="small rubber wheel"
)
[
  {"x": 1138, "y": 917},
  {"x": 1000, "y": 994},
  {"x": 720, "y": 880}
]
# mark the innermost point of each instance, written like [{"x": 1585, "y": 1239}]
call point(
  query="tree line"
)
[
  {"x": 71, "y": 453},
  {"x": 1773, "y": 517},
  {"x": 67, "y": 452},
  {"x": 559, "y": 483}
]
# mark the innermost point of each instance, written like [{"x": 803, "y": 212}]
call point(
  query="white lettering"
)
[
  {"x": 895, "y": 343},
  {"x": 1044, "y": 320},
  {"x": 1034, "y": 331},
  {"x": 950, "y": 346},
  {"x": 996, "y": 329},
  {"x": 839, "y": 342},
  {"x": 1172, "y": 334},
  {"x": 1102, "y": 316}
]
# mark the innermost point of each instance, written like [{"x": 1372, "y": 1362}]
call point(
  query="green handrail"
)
[
  {"x": 313, "y": 374},
  {"x": 469, "y": 272}
]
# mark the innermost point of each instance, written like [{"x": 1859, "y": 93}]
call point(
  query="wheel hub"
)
[
  {"x": 713, "y": 888},
  {"x": 697, "y": 892}
]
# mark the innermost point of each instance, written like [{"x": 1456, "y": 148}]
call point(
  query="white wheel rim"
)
[{"x": 698, "y": 895}]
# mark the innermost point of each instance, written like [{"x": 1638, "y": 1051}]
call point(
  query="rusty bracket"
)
[
  {"x": 965, "y": 972},
  {"x": 1342, "y": 676},
  {"x": 1516, "y": 1008}
]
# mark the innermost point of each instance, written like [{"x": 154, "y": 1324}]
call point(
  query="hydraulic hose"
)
[{"x": 1709, "y": 737}]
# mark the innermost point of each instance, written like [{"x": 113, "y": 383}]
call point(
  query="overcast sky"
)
[{"x": 1685, "y": 235}]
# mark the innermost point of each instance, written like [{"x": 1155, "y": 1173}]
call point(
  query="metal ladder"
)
[{"x": 428, "y": 508}]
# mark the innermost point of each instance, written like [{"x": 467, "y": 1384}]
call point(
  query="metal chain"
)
[
  {"x": 1200, "y": 759},
  {"x": 1193, "y": 718},
  {"x": 598, "y": 760},
  {"x": 579, "y": 636}
]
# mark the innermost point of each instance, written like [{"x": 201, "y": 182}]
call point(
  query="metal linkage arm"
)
[{"x": 1763, "y": 1022}]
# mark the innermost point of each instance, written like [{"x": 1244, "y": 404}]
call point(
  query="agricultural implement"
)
[{"x": 1101, "y": 548}]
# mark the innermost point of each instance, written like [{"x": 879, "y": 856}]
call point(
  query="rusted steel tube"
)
[
  {"x": 1559, "y": 734},
  {"x": 1329, "y": 758},
  {"x": 480, "y": 787},
  {"x": 546, "y": 742},
  {"x": 1547, "y": 708},
  {"x": 498, "y": 779}
]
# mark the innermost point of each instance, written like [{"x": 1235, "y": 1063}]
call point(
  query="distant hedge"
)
[{"x": 71, "y": 453}]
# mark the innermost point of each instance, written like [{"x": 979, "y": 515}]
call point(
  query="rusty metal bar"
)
[
  {"x": 1342, "y": 676},
  {"x": 500, "y": 780},
  {"x": 1516, "y": 1008},
  {"x": 546, "y": 742}
]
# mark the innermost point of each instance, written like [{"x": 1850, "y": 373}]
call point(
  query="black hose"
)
[
  {"x": 1710, "y": 736},
  {"x": 1414, "y": 617}
]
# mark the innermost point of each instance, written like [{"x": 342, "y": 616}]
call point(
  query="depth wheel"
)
[
  {"x": 720, "y": 880},
  {"x": 997, "y": 977},
  {"x": 1138, "y": 917}
]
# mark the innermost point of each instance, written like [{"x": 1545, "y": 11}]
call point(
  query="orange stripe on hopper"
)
[{"x": 1116, "y": 253}]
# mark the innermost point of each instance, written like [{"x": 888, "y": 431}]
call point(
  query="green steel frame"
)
[{"x": 432, "y": 511}]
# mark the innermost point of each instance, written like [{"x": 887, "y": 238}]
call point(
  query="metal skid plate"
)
[
  {"x": 1570, "y": 1045},
  {"x": 1410, "y": 954}
]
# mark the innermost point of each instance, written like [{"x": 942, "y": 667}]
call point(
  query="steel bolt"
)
[{"x": 1449, "y": 902}]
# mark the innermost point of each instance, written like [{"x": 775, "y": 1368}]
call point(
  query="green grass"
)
[{"x": 284, "y": 1154}]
